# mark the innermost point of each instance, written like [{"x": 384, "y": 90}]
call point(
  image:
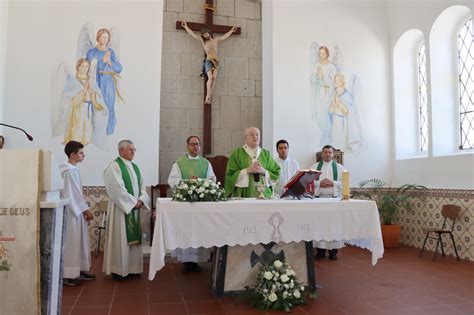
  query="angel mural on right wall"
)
[{"x": 335, "y": 103}]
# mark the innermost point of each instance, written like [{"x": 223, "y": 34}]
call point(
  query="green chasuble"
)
[
  {"x": 132, "y": 220},
  {"x": 191, "y": 168},
  {"x": 239, "y": 160},
  {"x": 334, "y": 169}
]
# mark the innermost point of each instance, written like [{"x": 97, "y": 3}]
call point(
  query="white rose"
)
[
  {"x": 268, "y": 275},
  {"x": 201, "y": 196},
  {"x": 185, "y": 186},
  {"x": 265, "y": 290},
  {"x": 297, "y": 294},
  {"x": 285, "y": 294},
  {"x": 190, "y": 192},
  {"x": 286, "y": 286},
  {"x": 302, "y": 288},
  {"x": 206, "y": 183},
  {"x": 206, "y": 191},
  {"x": 213, "y": 191},
  {"x": 201, "y": 189},
  {"x": 292, "y": 284},
  {"x": 193, "y": 187},
  {"x": 219, "y": 183},
  {"x": 272, "y": 297},
  {"x": 284, "y": 278},
  {"x": 277, "y": 264}
]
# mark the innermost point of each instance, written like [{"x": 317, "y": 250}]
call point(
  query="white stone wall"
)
[{"x": 237, "y": 100}]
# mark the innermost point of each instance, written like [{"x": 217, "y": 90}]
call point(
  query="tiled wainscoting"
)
[{"x": 425, "y": 212}]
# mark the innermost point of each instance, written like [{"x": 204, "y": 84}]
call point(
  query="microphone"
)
[
  {"x": 256, "y": 177},
  {"x": 10, "y": 126}
]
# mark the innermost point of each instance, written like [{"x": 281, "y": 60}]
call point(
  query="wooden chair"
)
[
  {"x": 448, "y": 212},
  {"x": 219, "y": 165},
  {"x": 102, "y": 225},
  {"x": 159, "y": 190}
]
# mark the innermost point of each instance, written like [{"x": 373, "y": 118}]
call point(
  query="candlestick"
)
[{"x": 345, "y": 186}]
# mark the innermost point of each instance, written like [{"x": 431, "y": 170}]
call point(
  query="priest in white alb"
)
[
  {"x": 77, "y": 251},
  {"x": 288, "y": 166},
  {"x": 189, "y": 166},
  {"x": 123, "y": 255},
  {"x": 329, "y": 185}
]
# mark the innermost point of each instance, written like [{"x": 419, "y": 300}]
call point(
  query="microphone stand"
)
[{"x": 10, "y": 126}]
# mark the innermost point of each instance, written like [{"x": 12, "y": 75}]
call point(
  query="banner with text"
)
[{"x": 19, "y": 232}]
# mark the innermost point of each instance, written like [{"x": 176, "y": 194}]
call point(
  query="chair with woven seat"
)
[{"x": 448, "y": 212}]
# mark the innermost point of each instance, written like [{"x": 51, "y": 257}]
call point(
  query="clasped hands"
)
[
  {"x": 255, "y": 168},
  {"x": 326, "y": 183},
  {"x": 139, "y": 204}
]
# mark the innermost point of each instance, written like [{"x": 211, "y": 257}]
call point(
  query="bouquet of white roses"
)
[
  {"x": 276, "y": 288},
  {"x": 198, "y": 190}
]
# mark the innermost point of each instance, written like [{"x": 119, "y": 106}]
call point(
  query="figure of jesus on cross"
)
[{"x": 210, "y": 64}]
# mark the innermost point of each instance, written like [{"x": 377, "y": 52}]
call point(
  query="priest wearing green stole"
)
[
  {"x": 123, "y": 255},
  {"x": 249, "y": 165},
  {"x": 329, "y": 185},
  {"x": 189, "y": 166}
]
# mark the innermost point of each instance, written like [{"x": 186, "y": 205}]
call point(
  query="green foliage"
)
[
  {"x": 388, "y": 201},
  {"x": 276, "y": 288}
]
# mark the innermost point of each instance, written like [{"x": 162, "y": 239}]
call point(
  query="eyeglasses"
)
[{"x": 194, "y": 144}]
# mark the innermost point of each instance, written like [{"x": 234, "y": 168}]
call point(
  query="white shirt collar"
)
[
  {"x": 193, "y": 157},
  {"x": 126, "y": 161}
]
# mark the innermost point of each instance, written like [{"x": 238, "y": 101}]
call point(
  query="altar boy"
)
[{"x": 77, "y": 259}]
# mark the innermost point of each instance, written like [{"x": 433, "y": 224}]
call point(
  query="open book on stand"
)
[{"x": 296, "y": 186}]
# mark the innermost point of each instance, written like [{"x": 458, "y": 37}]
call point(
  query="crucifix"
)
[{"x": 210, "y": 62}]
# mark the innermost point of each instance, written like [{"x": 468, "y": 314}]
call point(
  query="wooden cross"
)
[{"x": 221, "y": 29}]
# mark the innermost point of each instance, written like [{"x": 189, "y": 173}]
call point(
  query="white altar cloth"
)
[{"x": 251, "y": 221}]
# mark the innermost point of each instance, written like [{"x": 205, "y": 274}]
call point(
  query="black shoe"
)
[
  {"x": 86, "y": 276},
  {"x": 320, "y": 253},
  {"x": 332, "y": 254},
  {"x": 187, "y": 266},
  {"x": 134, "y": 275},
  {"x": 117, "y": 277},
  {"x": 196, "y": 268},
  {"x": 70, "y": 282}
]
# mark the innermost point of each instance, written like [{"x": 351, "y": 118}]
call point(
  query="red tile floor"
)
[{"x": 400, "y": 283}]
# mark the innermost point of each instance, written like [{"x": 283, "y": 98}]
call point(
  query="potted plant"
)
[{"x": 388, "y": 202}]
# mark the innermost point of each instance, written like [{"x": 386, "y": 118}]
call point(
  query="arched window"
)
[
  {"x": 422, "y": 98},
  {"x": 466, "y": 84}
]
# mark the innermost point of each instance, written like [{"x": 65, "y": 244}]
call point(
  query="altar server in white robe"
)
[
  {"x": 329, "y": 185},
  {"x": 77, "y": 252},
  {"x": 123, "y": 255},
  {"x": 288, "y": 166},
  {"x": 191, "y": 165}
]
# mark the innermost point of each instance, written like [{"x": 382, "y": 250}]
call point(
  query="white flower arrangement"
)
[
  {"x": 198, "y": 189},
  {"x": 276, "y": 288}
]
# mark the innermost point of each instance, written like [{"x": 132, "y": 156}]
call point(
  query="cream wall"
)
[
  {"x": 3, "y": 40},
  {"x": 42, "y": 32},
  {"x": 451, "y": 170},
  {"x": 360, "y": 31}
]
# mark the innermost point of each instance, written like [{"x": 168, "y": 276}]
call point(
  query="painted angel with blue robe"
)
[
  {"x": 105, "y": 52},
  {"x": 342, "y": 126},
  {"x": 324, "y": 66}
]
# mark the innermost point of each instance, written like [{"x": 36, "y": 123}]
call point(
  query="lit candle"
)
[{"x": 345, "y": 185}]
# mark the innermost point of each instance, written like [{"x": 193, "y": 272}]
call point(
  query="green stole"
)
[
  {"x": 192, "y": 167},
  {"x": 132, "y": 220},
  {"x": 334, "y": 169}
]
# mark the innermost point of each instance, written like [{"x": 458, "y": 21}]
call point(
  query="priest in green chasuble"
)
[
  {"x": 249, "y": 165},
  {"x": 123, "y": 254},
  {"x": 189, "y": 166}
]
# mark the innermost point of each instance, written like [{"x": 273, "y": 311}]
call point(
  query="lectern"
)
[{"x": 32, "y": 229}]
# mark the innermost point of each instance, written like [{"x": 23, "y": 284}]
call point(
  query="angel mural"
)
[
  {"x": 342, "y": 127},
  {"x": 323, "y": 69},
  {"x": 104, "y": 49},
  {"x": 78, "y": 109}
]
